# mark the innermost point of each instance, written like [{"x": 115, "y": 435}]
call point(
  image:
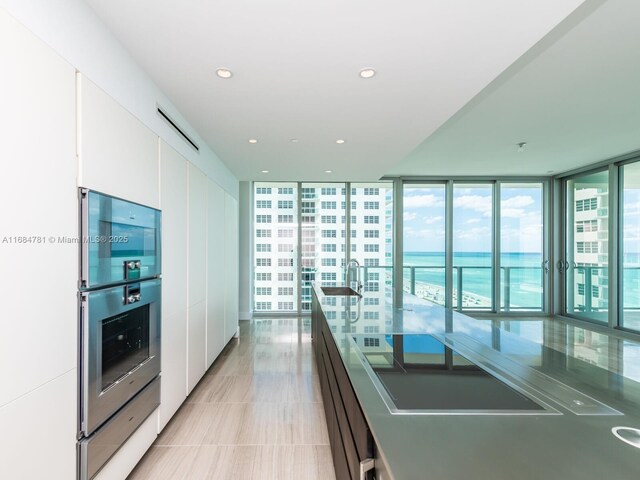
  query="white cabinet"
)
[
  {"x": 216, "y": 279},
  {"x": 39, "y": 205},
  {"x": 174, "y": 205},
  {"x": 118, "y": 154},
  {"x": 38, "y": 432},
  {"x": 196, "y": 328},
  {"x": 231, "y": 267}
]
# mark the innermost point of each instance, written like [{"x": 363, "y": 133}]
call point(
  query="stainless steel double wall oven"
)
[{"x": 120, "y": 298}]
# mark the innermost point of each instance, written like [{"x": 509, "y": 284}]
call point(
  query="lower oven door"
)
[{"x": 120, "y": 332}]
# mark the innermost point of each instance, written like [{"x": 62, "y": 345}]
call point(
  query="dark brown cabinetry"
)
[{"x": 349, "y": 435}]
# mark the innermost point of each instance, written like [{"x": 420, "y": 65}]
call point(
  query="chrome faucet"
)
[{"x": 357, "y": 270}]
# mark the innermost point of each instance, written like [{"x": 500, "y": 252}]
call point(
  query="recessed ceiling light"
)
[
  {"x": 340, "y": 141},
  {"x": 328, "y": 171},
  {"x": 264, "y": 171},
  {"x": 367, "y": 73},
  {"x": 521, "y": 146},
  {"x": 294, "y": 140},
  {"x": 224, "y": 73},
  {"x": 253, "y": 140}
]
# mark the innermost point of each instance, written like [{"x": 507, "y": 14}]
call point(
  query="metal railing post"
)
[
  {"x": 459, "y": 275},
  {"x": 507, "y": 288},
  {"x": 588, "y": 305},
  {"x": 413, "y": 280}
]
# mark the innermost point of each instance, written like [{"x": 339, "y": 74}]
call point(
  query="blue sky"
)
[{"x": 521, "y": 217}]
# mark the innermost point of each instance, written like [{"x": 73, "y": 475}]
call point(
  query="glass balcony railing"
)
[{"x": 521, "y": 287}]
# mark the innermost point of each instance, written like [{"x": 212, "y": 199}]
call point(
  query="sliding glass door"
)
[
  {"x": 463, "y": 223},
  {"x": 587, "y": 246},
  {"x": 473, "y": 246},
  {"x": 424, "y": 242},
  {"x": 630, "y": 256},
  {"x": 522, "y": 263}
]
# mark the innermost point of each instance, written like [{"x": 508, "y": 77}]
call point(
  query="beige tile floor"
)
[{"x": 256, "y": 414}]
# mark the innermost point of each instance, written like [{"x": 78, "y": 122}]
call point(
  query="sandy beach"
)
[{"x": 435, "y": 293}]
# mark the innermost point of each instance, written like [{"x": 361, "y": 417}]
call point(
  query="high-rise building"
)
[
  {"x": 590, "y": 249},
  {"x": 308, "y": 235}
]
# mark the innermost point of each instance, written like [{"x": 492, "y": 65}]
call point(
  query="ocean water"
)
[
  {"x": 524, "y": 275},
  {"x": 521, "y": 271}
]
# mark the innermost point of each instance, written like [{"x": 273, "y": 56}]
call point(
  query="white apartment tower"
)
[
  {"x": 590, "y": 249},
  {"x": 302, "y": 233}
]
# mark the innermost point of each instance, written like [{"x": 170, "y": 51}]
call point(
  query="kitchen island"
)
[{"x": 563, "y": 431}]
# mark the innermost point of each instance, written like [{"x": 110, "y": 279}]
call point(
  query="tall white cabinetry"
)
[
  {"x": 216, "y": 281},
  {"x": 62, "y": 131},
  {"x": 38, "y": 205},
  {"x": 196, "y": 326},
  {"x": 174, "y": 205},
  {"x": 118, "y": 154}
]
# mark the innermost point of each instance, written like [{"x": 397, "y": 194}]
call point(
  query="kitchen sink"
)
[{"x": 341, "y": 291}]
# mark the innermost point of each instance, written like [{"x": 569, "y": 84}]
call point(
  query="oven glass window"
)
[
  {"x": 125, "y": 344},
  {"x": 119, "y": 232}
]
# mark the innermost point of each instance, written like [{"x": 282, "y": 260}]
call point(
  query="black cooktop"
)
[{"x": 419, "y": 372}]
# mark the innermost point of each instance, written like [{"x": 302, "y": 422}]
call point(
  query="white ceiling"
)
[
  {"x": 574, "y": 98},
  {"x": 296, "y": 64}
]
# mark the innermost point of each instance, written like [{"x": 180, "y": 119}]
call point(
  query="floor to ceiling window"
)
[
  {"x": 468, "y": 240},
  {"x": 522, "y": 266},
  {"x": 309, "y": 231},
  {"x": 324, "y": 223},
  {"x": 473, "y": 246},
  {"x": 630, "y": 228},
  {"x": 424, "y": 241},
  {"x": 372, "y": 233},
  {"x": 587, "y": 246},
  {"x": 275, "y": 247}
]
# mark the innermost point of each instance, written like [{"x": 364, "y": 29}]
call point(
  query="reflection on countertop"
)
[{"x": 573, "y": 445}]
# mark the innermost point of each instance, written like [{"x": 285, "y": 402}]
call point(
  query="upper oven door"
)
[
  {"x": 120, "y": 240},
  {"x": 120, "y": 347}
]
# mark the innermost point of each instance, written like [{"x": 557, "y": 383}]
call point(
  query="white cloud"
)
[
  {"x": 424, "y": 233},
  {"x": 408, "y": 216},
  {"x": 422, "y": 201},
  {"x": 471, "y": 221},
  {"x": 432, "y": 220},
  {"x": 477, "y": 203},
  {"x": 514, "y": 207},
  {"x": 474, "y": 233},
  {"x": 512, "y": 212},
  {"x": 519, "y": 201}
]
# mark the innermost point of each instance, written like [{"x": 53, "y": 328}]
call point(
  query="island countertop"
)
[{"x": 563, "y": 445}]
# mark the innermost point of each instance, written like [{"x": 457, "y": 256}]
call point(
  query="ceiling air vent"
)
[{"x": 164, "y": 115}]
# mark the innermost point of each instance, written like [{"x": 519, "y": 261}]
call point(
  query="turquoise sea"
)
[{"x": 522, "y": 272}]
